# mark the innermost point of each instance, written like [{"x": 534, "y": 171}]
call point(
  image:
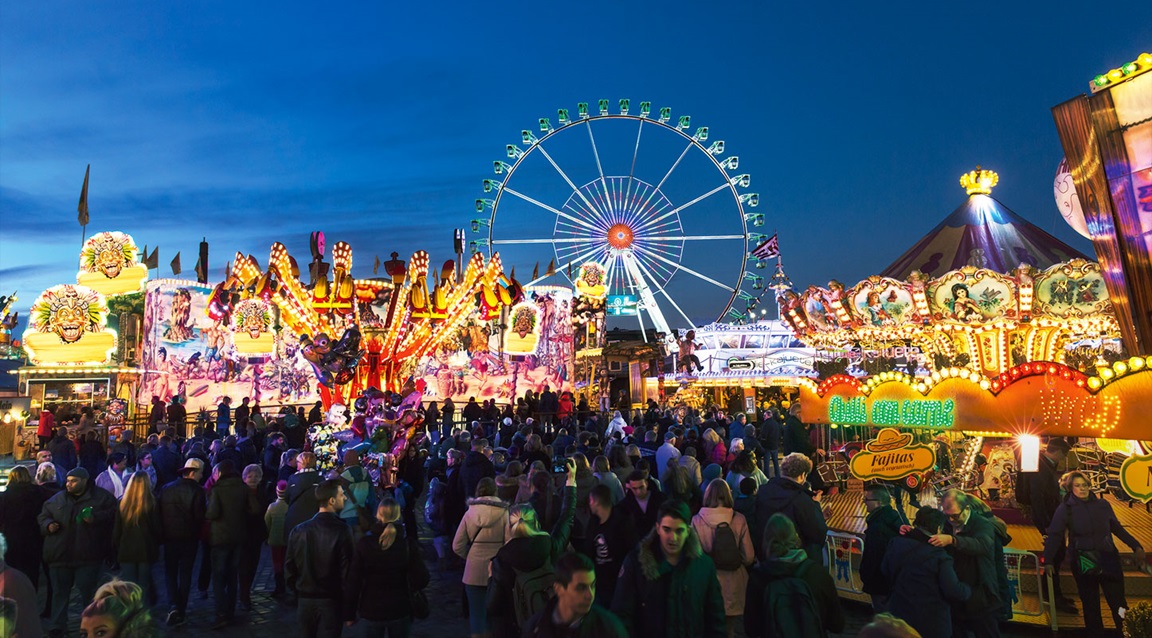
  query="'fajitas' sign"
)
[{"x": 891, "y": 456}]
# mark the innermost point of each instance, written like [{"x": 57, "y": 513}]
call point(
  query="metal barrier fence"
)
[{"x": 843, "y": 558}]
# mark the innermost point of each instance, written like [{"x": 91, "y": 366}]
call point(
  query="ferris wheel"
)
[{"x": 656, "y": 206}]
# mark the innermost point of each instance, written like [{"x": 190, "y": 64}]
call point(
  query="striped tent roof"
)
[{"x": 982, "y": 233}]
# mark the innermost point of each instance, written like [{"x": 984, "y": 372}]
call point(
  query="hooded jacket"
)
[
  {"x": 480, "y": 535},
  {"x": 654, "y": 598},
  {"x": 733, "y": 583},
  {"x": 792, "y": 499},
  {"x": 524, "y": 554},
  {"x": 923, "y": 583},
  {"x": 230, "y": 505},
  {"x": 819, "y": 582}
]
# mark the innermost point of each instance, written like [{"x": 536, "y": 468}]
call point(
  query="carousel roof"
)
[{"x": 984, "y": 233}]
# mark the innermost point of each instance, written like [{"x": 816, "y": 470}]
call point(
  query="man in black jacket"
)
[
  {"x": 642, "y": 502},
  {"x": 788, "y": 495},
  {"x": 971, "y": 539},
  {"x": 182, "y": 508},
  {"x": 770, "y": 439},
  {"x": 230, "y": 505},
  {"x": 302, "y": 503},
  {"x": 166, "y": 461},
  {"x": 882, "y": 525},
  {"x": 318, "y": 559},
  {"x": 1043, "y": 491},
  {"x": 609, "y": 537},
  {"x": 77, "y": 527},
  {"x": 476, "y": 466},
  {"x": 573, "y": 612},
  {"x": 63, "y": 451}
]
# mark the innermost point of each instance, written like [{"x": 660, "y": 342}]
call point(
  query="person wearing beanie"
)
[
  {"x": 77, "y": 527},
  {"x": 277, "y": 539}
]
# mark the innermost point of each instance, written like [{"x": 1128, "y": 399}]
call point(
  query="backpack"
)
[
  {"x": 790, "y": 609},
  {"x": 725, "y": 549},
  {"x": 531, "y": 591}
]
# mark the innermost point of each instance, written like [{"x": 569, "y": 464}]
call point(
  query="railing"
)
[
  {"x": 843, "y": 556},
  {"x": 1023, "y": 565}
]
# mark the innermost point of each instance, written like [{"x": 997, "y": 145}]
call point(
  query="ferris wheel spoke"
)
[
  {"x": 672, "y": 225},
  {"x": 656, "y": 266},
  {"x": 635, "y": 153},
  {"x": 674, "y": 165},
  {"x": 564, "y": 175},
  {"x": 695, "y": 201},
  {"x": 549, "y": 208},
  {"x": 690, "y": 271},
  {"x": 664, "y": 292},
  {"x": 560, "y": 240},
  {"x": 590, "y": 218},
  {"x": 669, "y": 238},
  {"x": 595, "y": 151}
]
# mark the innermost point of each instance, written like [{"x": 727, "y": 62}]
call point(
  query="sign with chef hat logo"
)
[{"x": 891, "y": 456}]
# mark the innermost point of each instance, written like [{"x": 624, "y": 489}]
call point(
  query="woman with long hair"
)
[
  {"x": 383, "y": 575},
  {"x": 136, "y": 534},
  {"x": 602, "y": 471},
  {"x": 733, "y": 577},
  {"x": 621, "y": 464},
  {"x": 20, "y": 506},
  {"x": 1089, "y": 524},
  {"x": 744, "y": 466}
]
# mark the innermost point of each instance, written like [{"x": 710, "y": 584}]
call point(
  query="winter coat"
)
[
  {"x": 318, "y": 559},
  {"x": 92, "y": 457},
  {"x": 733, "y": 583},
  {"x": 182, "y": 507},
  {"x": 63, "y": 455},
  {"x": 733, "y": 480},
  {"x": 1089, "y": 526},
  {"x": 819, "y": 582},
  {"x": 475, "y": 467},
  {"x": 645, "y": 519},
  {"x": 167, "y": 464},
  {"x": 691, "y": 464},
  {"x": 17, "y": 587},
  {"x": 524, "y": 554},
  {"x": 770, "y": 434},
  {"x": 378, "y": 579},
  {"x": 20, "y": 504},
  {"x": 274, "y": 522},
  {"x": 613, "y": 483},
  {"x": 796, "y": 437},
  {"x": 455, "y": 503},
  {"x": 923, "y": 583},
  {"x": 607, "y": 544},
  {"x": 302, "y": 503},
  {"x": 230, "y": 504},
  {"x": 138, "y": 542},
  {"x": 46, "y": 424},
  {"x": 597, "y": 623},
  {"x": 882, "y": 526},
  {"x": 78, "y": 542},
  {"x": 480, "y": 535},
  {"x": 976, "y": 559},
  {"x": 654, "y": 598},
  {"x": 792, "y": 499},
  {"x": 664, "y": 454}
]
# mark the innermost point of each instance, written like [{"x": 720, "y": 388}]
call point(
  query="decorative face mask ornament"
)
[
  {"x": 252, "y": 317},
  {"x": 68, "y": 326},
  {"x": 108, "y": 264}
]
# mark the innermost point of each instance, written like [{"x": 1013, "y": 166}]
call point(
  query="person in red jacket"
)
[{"x": 47, "y": 425}]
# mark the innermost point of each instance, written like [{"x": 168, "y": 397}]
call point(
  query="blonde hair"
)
[
  {"x": 122, "y": 601},
  {"x": 137, "y": 501},
  {"x": 718, "y": 494},
  {"x": 523, "y": 521},
  {"x": 306, "y": 459},
  {"x": 45, "y": 473}
]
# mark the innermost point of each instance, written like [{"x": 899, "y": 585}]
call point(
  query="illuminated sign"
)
[
  {"x": 736, "y": 363},
  {"x": 251, "y": 327},
  {"x": 1136, "y": 477},
  {"x": 109, "y": 264},
  {"x": 892, "y": 456},
  {"x": 69, "y": 325},
  {"x": 523, "y": 333},
  {"x": 925, "y": 413},
  {"x": 622, "y": 305}
]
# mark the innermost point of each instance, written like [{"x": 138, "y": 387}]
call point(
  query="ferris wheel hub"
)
[{"x": 620, "y": 236}]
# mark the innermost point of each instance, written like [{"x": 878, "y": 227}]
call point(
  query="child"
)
[{"x": 277, "y": 541}]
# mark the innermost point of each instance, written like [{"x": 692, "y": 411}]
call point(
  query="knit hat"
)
[
  {"x": 79, "y": 473},
  {"x": 281, "y": 489}
]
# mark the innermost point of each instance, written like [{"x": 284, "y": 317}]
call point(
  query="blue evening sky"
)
[{"x": 248, "y": 123}]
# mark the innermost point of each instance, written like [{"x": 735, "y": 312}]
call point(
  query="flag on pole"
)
[
  {"x": 82, "y": 208},
  {"x": 144, "y": 255},
  {"x": 176, "y": 263},
  {"x": 153, "y": 260},
  {"x": 201, "y": 276},
  {"x": 536, "y": 271},
  {"x": 770, "y": 248},
  {"x": 376, "y": 267},
  {"x": 551, "y": 268}
]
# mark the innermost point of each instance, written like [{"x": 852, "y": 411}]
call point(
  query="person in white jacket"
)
[
  {"x": 481, "y": 534},
  {"x": 617, "y": 424},
  {"x": 718, "y": 510}
]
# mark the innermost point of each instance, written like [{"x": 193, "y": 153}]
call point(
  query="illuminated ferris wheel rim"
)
[{"x": 611, "y": 238}]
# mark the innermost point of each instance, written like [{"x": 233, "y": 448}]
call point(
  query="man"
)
[
  {"x": 231, "y": 505},
  {"x": 1043, "y": 495},
  {"x": 46, "y": 427},
  {"x": 166, "y": 462},
  {"x": 316, "y": 567},
  {"x": 224, "y": 416},
  {"x": 608, "y": 538},
  {"x": 156, "y": 414},
  {"x": 971, "y": 539},
  {"x": 126, "y": 447},
  {"x": 471, "y": 411},
  {"x": 668, "y": 585},
  {"x": 736, "y": 430},
  {"x": 63, "y": 451},
  {"x": 113, "y": 479},
  {"x": 302, "y": 504},
  {"x": 770, "y": 439},
  {"x": 177, "y": 416},
  {"x": 77, "y": 528},
  {"x": 549, "y": 406},
  {"x": 881, "y": 525},
  {"x": 243, "y": 411},
  {"x": 45, "y": 456},
  {"x": 788, "y": 495},
  {"x": 476, "y": 466},
  {"x": 689, "y": 462},
  {"x": 573, "y": 612},
  {"x": 649, "y": 446},
  {"x": 229, "y": 452},
  {"x": 182, "y": 508},
  {"x": 641, "y": 503},
  {"x": 924, "y": 583},
  {"x": 667, "y": 452}
]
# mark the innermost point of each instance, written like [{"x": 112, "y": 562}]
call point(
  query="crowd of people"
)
[{"x": 663, "y": 522}]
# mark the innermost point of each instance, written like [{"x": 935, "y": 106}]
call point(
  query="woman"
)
[
  {"x": 677, "y": 485},
  {"x": 711, "y": 443},
  {"x": 379, "y": 581},
  {"x": 718, "y": 511},
  {"x": 534, "y": 451},
  {"x": 784, "y": 559},
  {"x": 615, "y": 425},
  {"x": 117, "y": 611},
  {"x": 478, "y": 538},
  {"x": 432, "y": 421},
  {"x": 20, "y": 504},
  {"x": 136, "y": 534},
  {"x": 529, "y": 549},
  {"x": 508, "y": 483},
  {"x": 602, "y": 471},
  {"x": 287, "y": 465},
  {"x": 585, "y": 481},
  {"x": 1089, "y": 524},
  {"x": 744, "y": 467},
  {"x": 621, "y": 464}
]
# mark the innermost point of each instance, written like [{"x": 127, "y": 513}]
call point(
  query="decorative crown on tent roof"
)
[{"x": 979, "y": 182}]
